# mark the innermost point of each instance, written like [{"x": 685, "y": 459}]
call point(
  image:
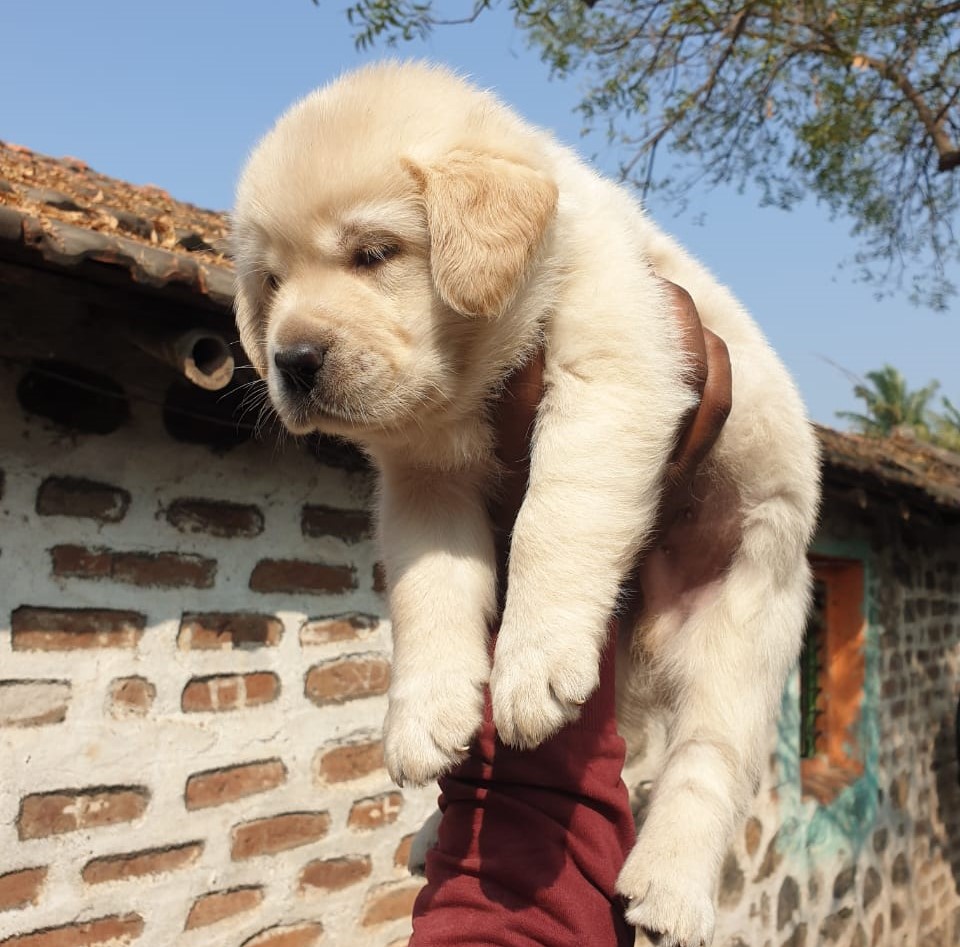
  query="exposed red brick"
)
[
  {"x": 297, "y": 576},
  {"x": 80, "y": 561},
  {"x": 20, "y": 888},
  {"x": 33, "y": 703},
  {"x": 224, "y": 630},
  {"x": 218, "y": 905},
  {"x": 221, "y": 692},
  {"x": 401, "y": 857},
  {"x": 218, "y": 786},
  {"x": 345, "y": 627},
  {"x": 131, "y": 697},
  {"x": 116, "y": 931},
  {"x": 215, "y": 518},
  {"x": 348, "y": 525},
  {"x": 277, "y": 833},
  {"x": 153, "y": 861},
  {"x": 332, "y": 874},
  {"x": 347, "y": 678},
  {"x": 72, "y": 496},
  {"x": 147, "y": 569},
  {"x": 65, "y": 629},
  {"x": 376, "y": 811},
  {"x": 379, "y": 578},
  {"x": 291, "y": 935},
  {"x": 53, "y": 813},
  {"x": 348, "y": 761},
  {"x": 390, "y": 902}
]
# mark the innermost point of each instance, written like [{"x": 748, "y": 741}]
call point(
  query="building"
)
[{"x": 194, "y": 651}]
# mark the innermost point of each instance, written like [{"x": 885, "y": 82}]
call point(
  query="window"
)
[
  {"x": 811, "y": 668},
  {"x": 832, "y": 670}
]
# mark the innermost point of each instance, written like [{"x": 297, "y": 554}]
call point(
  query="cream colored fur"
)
[{"x": 495, "y": 238}]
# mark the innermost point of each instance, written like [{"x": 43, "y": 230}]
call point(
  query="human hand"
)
[
  {"x": 678, "y": 559},
  {"x": 697, "y": 529}
]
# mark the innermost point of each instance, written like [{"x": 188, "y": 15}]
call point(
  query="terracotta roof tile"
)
[{"x": 69, "y": 213}]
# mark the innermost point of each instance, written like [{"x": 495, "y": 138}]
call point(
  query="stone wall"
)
[
  {"x": 880, "y": 864},
  {"x": 193, "y": 662}
]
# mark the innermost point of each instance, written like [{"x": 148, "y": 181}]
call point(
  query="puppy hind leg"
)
[{"x": 726, "y": 666}]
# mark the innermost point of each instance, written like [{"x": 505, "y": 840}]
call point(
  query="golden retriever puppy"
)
[{"x": 403, "y": 242}]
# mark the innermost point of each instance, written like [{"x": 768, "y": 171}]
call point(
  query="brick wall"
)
[{"x": 193, "y": 662}]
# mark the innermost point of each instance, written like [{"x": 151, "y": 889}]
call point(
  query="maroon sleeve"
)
[{"x": 531, "y": 842}]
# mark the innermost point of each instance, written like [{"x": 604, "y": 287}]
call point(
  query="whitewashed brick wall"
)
[{"x": 193, "y": 662}]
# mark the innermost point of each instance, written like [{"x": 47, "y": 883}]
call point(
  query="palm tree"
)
[
  {"x": 947, "y": 433},
  {"x": 890, "y": 404},
  {"x": 952, "y": 414}
]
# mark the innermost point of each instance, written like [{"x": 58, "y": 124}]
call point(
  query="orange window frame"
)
[{"x": 838, "y": 759}]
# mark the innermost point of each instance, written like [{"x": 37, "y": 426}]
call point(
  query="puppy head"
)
[{"x": 372, "y": 245}]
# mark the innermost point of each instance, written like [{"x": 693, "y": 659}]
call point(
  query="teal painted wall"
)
[{"x": 811, "y": 832}]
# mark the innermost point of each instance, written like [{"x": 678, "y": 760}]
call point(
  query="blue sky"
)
[{"x": 176, "y": 93}]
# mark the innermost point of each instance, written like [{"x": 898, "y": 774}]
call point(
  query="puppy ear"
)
[{"x": 487, "y": 216}]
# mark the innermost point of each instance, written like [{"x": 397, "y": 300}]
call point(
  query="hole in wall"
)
[{"x": 73, "y": 397}]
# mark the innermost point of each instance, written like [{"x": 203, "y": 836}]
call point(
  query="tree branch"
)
[
  {"x": 948, "y": 161},
  {"x": 948, "y": 154}
]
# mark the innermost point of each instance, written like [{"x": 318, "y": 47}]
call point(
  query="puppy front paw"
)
[
  {"x": 428, "y": 731},
  {"x": 673, "y": 907},
  {"x": 536, "y": 690}
]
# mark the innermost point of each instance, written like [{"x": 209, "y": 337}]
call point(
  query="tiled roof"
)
[
  {"x": 69, "y": 214},
  {"x": 919, "y": 472}
]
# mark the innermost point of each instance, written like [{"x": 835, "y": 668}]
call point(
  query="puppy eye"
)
[
  {"x": 272, "y": 282},
  {"x": 367, "y": 258}
]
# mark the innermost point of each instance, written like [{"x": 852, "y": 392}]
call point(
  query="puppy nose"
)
[{"x": 299, "y": 365}]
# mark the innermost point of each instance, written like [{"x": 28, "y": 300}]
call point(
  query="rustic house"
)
[{"x": 194, "y": 651}]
